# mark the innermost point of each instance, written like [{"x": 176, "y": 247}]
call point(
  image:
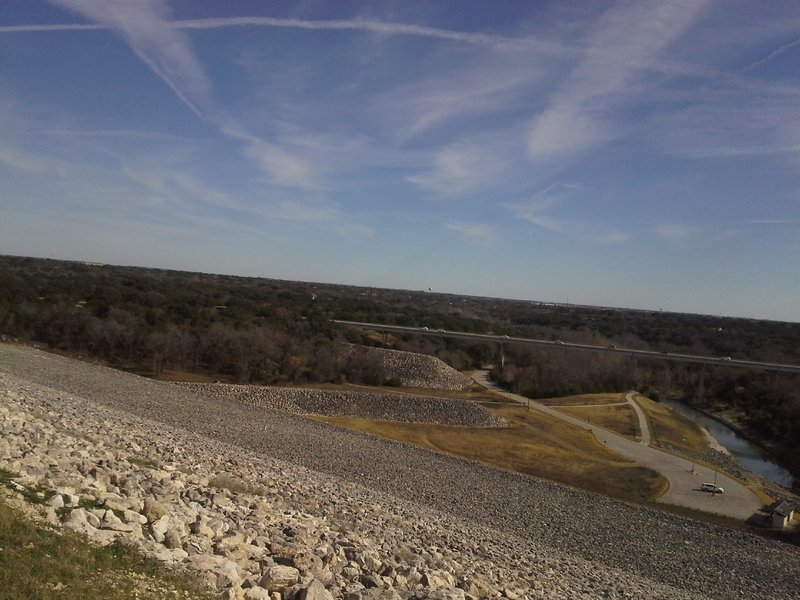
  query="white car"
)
[{"x": 711, "y": 487}]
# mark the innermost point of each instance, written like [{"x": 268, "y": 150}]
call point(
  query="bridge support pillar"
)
[{"x": 701, "y": 388}]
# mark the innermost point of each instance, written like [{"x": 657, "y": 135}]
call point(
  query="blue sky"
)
[{"x": 633, "y": 154}]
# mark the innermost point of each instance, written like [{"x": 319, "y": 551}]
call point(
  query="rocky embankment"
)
[
  {"x": 417, "y": 370},
  {"x": 723, "y": 460},
  {"x": 262, "y": 503},
  {"x": 366, "y": 405}
]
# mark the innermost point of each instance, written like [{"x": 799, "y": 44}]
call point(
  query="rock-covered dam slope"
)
[
  {"x": 384, "y": 519},
  {"x": 365, "y": 405}
]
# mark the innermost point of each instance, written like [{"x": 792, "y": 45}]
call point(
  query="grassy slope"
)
[
  {"x": 38, "y": 563},
  {"x": 671, "y": 428},
  {"x": 619, "y": 419}
]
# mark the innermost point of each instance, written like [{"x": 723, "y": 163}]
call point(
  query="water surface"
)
[{"x": 753, "y": 458}]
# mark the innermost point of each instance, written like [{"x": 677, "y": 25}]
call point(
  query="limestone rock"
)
[
  {"x": 279, "y": 577},
  {"x": 153, "y": 510},
  {"x": 314, "y": 591},
  {"x": 437, "y": 579},
  {"x": 200, "y": 527},
  {"x": 256, "y": 593},
  {"x": 56, "y": 501},
  {"x": 447, "y": 593}
]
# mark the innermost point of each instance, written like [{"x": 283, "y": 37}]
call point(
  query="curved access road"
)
[
  {"x": 684, "y": 477},
  {"x": 645, "y": 435}
]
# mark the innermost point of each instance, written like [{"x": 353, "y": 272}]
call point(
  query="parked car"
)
[{"x": 711, "y": 487}]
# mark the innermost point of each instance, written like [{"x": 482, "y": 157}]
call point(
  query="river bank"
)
[{"x": 765, "y": 458}]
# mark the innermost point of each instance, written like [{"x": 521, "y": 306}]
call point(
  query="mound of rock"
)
[
  {"x": 365, "y": 405},
  {"x": 418, "y": 370}
]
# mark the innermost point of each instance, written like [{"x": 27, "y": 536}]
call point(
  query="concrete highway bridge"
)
[{"x": 721, "y": 361}]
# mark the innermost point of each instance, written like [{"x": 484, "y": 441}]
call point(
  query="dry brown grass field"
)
[
  {"x": 619, "y": 419},
  {"x": 533, "y": 443},
  {"x": 584, "y": 399},
  {"x": 669, "y": 427}
]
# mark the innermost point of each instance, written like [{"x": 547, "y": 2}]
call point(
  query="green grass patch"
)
[
  {"x": 32, "y": 495},
  {"x": 39, "y": 563}
]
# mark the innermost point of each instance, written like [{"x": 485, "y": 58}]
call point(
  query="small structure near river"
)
[{"x": 779, "y": 514}]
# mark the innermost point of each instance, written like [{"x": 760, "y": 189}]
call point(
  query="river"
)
[{"x": 752, "y": 458}]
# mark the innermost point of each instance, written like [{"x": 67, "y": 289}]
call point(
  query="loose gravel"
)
[{"x": 589, "y": 545}]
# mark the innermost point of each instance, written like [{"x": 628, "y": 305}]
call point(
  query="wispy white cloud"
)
[
  {"x": 627, "y": 40},
  {"x": 772, "y": 221},
  {"x": 738, "y": 150},
  {"x": 20, "y": 160},
  {"x": 460, "y": 168},
  {"x": 294, "y": 210},
  {"x": 675, "y": 233},
  {"x": 534, "y": 211},
  {"x": 615, "y": 237},
  {"x": 378, "y": 27},
  {"x": 162, "y": 44},
  {"x": 538, "y": 211},
  {"x": 320, "y": 212},
  {"x": 727, "y": 234},
  {"x": 732, "y": 122},
  {"x": 282, "y": 167},
  {"x": 167, "y": 51},
  {"x": 499, "y": 84},
  {"x": 170, "y": 198},
  {"x": 353, "y": 232},
  {"x": 774, "y": 54},
  {"x": 112, "y": 133},
  {"x": 51, "y": 27},
  {"x": 482, "y": 234}
]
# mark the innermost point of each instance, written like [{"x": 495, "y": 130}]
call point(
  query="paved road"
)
[
  {"x": 684, "y": 477},
  {"x": 645, "y": 435}
]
